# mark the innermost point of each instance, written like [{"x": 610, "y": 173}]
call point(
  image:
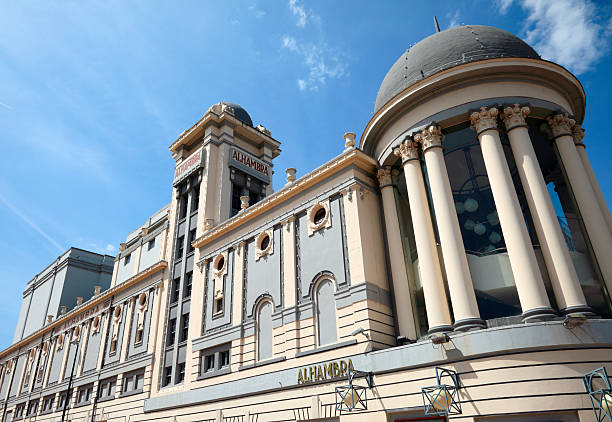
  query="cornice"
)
[
  {"x": 96, "y": 300},
  {"x": 344, "y": 160}
]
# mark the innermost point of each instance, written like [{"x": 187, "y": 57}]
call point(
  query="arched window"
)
[
  {"x": 264, "y": 330},
  {"x": 325, "y": 313}
]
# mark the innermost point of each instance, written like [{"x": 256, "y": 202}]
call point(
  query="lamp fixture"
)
[
  {"x": 439, "y": 338},
  {"x": 574, "y": 320},
  {"x": 353, "y": 397},
  {"x": 443, "y": 399},
  {"x": 597, "y": 385}
]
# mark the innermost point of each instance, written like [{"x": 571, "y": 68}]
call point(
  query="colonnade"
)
[{"x": 530, "y": 287}]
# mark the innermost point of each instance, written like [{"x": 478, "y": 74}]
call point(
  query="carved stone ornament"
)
[
  {"x": 220, "y": 265},
  {"x": 264, "y": 244},
  {"x": 515, "y": 116},
  {"x": 561, "y": 124},
  {"x": 384, "y": 176},
  {"x": 407, "y": 150},
  {"x": 430, "y": 137},
  {"x": 484, "y": 119},
  {"x": 318, "y": 217},
  {"x": 578, "y": 134}
]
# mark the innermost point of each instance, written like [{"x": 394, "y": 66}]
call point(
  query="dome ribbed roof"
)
[
  {"x": 447, "y": 49},
  {"x": 240, "y": 113}
]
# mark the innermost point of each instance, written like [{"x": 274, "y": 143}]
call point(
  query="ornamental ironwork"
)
[
  {"x": 598, "y": 387},
  {"x": 443, "y": 398},
  {"x": 353, "y": 397}
]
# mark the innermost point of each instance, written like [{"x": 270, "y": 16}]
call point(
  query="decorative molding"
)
[
  {"x": 561, "y": 124},
  {"x": 384, "y": 176},
  {"x": 515, "y": 116},
  {"x": 407, "y": 150},
  {"x": 485, "y": 119},
  {"x": 430, "y": 137},
  {"x": 578, "y": 134},
  {"x": 325, "y": 222},
  {"x": 260, "y": 250}
]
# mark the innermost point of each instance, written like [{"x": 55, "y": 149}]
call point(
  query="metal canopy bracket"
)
[
  {"x": 598, "y": 387},
  {"x": 353, "y": 397},
  {"x": 443, "y": 399}
]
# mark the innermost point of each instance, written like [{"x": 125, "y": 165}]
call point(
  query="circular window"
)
[
  {"x": 264, "y": 242},
  {"x": 220, "y": 263},
  {"x": 117, "y": 312},
  {"x": 142, "y": 299},
  {"x": 320, "y": 215}
]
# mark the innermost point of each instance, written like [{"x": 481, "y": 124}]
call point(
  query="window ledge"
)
[
  {"x": 45, "y": 412},
  {"x": 105, "y": 398},
  {"x": 130, "y": 393},
  {"x": 262, "y": 363},
  {"x": 326, "y": 348},
  {"x": 212, "y": 374},
  {"x": 85, "y": 403}
]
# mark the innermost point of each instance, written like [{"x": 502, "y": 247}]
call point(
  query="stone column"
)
[
  {"x": 586, "y": 199},
  {"x": 563, "y": 277},
  {"x": 438, "y": 314},
  {"x": 460, "y": 286},
  {"x": 399, "y": 278},
  {"x": 527, "y": 277},
  {"x": 578, "y": 134}
]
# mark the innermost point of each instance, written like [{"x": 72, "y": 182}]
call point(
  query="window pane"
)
[{"x": 264, "y": 331}]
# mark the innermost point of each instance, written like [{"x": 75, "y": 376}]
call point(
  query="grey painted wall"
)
[
  {"x": 73, "y": 349},
  {"x": 264, "y": 276},
  {"x": 323, "y": 251},
  {"x": 264, "y": 330},
  {"x": 18, "y": 370},
  {"x": 114, "y": 357},
  {"x": 326, "y": 313},
  {"x": 93, "y": 346},
  {"x": 148, "y": 256},
  {"x": 56, "y": 364},
  {"x": 5, "y": 382},
  {"x": 136, "y": 349}
]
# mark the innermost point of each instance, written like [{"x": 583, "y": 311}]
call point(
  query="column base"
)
[
  {"x": 586, "y": 310},
  {"x": 469, "y": 324},
  {"x": 440, "y": 329},
  {"x": 539, "y": 314}
]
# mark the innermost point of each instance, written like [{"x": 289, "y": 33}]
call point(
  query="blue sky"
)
[{"x": 93, "y": 93}]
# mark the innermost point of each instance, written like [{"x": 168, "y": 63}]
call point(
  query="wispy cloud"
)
[
  {"x": 504, "y": 5},
  {"x": 453, "y": 19},
  {"x": 19, "y": 213},
  {"x": 6, "y": 106},
  {"x": 564, "y": 31},
  {"x": 321, "y": 62},
  {"x": 299, "y": 12},
  {"x": 258, "y": 13}
]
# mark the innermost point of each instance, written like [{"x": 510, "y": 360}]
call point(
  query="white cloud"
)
[
  {"x": 321, "y": 62},
  {"x": 453, "y": 19},
  {"x": 6, "y": 106},
  {"x": 258, "y": 13},
  {"x": 299, "y": 12},
  {"x": 290, "y": 43},
  {"x": 504, "y": 5},
  {"x": 32, "y": 224},
  {"x": 565, "y": 31},
  {"x": 110, "y": 248}
]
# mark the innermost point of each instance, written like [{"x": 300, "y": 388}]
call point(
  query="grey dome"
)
[
  {"x": 240, "y": 113},
  {"x": 447, "y": 49}
]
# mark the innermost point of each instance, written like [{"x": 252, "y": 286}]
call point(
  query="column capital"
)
[
  {"x": 561, "y": 124},
  {"x": 408, "y": 150},
  {"x": 430, "y": 137},
  {"x": 484, "y": 119},
  {"x": 514, "y": 116},
  {"x": 384, "y": 176},
  {"x": 578, "y": 134}
]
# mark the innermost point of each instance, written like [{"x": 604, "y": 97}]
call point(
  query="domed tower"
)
[{"x": 484, "y": 174}]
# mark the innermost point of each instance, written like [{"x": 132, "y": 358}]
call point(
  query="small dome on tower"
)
[{"x": 238, "y": 112}]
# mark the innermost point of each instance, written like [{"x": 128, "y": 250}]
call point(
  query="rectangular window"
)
[
  {"x": 180, "y": 374},
  {"x": 179, "y": 247},
  {"x": 188, "y": 284},
  {"x": 218, "y": 308},
  {"x": 183, "y": 206},
  {"x": 47, "y": 405},
  {"x": 32, "y": 408},
  {"x": 139, "y": 335},
  {"x": 215, "y": 361},
  {"x": 126, "y": 259},
  {"x": 171, "y": 332},
  {"x": 176, "y": 285},
  {"x": 195, "y": 199},
  {"x": 19, "y": 411},
  {"x": 167, "y": 376},
  {"x": 192, "y": 236},
  {"x": 184, "y": 328},
  {"x": 151, "y": 244},
  {"x": 84, "y": 394},
  {"x": 106, "y": 390},
  {"x": 133, "y": 382},
  {"x": 64, "y": 400}
]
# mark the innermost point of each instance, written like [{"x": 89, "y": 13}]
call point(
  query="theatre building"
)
[{"x": 455, "y": 262}]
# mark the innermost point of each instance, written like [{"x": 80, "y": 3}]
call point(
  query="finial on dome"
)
[{"x": 436, "y": 24}]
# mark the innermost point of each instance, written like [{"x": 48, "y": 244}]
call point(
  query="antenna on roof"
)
[{"x": 436, "y": 24}]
